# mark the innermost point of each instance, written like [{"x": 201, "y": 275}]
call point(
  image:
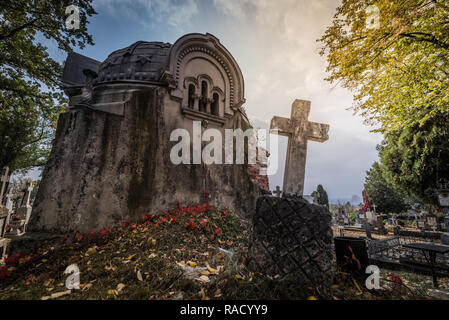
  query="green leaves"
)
[
  {"x": 382, "y": 193},
  {"x": 416, "y": 157},
  {"x": 30, "y": 99},
  {"x": 399, "y": 71}
]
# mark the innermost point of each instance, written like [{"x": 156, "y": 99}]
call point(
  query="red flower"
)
[
  {"x": 396, "y": 278},
  {"x": 93, "y": 231},
  {"x": 203, "y": 222},
  {"x": 123, "y": 224},
  {"x": 103, "y": 232},
  {"x": 191, "y": 224},
  {"x": 78, "y": 236},
  {"x": 218, "y": 231},
  {"x": 173, "y": 221}
]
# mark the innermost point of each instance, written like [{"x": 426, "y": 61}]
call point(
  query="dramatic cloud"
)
[
  {"x": 278, "y": 53},
  {"x": 176, "y": 13},
  {"x": 274, "y": 43}
]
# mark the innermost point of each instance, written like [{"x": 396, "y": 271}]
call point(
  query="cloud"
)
[
  {"x": 235, "y": 9},
  {"x": 175, "y": 13},
  {"x": 278, "y": 52},
  {"x": 274, "y": 43}
]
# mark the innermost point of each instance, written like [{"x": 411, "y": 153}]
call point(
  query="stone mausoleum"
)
[{"x": 110, "y": 160}]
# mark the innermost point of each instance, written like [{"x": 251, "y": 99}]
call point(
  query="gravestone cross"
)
[
  {"x": 299, "y": 130},
  {"x": 9, "y": 201},
  {"x": 3, "y": 180},
  {"x": 277, "y": 192},
  {"x": 27, "y": 193}
]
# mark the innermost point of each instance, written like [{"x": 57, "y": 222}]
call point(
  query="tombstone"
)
[
  {"x": 4, "y": 179},
  {"x": 3, "y": 222},
  {"x": 19, "y": 227},
  {"x": 340, "y": 218},
  {"x": 9, "y": 202},
  {"x": 368, "y": 229},
  {"x": 9, "y": 206},
  {"x": 299, "y": 130},
  {"x": 277, "y": 192},
  {"x": 379, "y": 224},
  {"x": 293, "y": 239},
  {"x": 371, "y": 216},
  {"x": 432, "y": 223},
  {"x": 4, "y": 214},
  {"x": 4, "y": 242},
  {"x": 110, "y": 160},
  {"x": 421, "y": 225}
]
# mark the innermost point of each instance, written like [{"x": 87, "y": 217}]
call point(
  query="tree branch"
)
[
  {"x": 430, "y": 38},
  {"x": 14, "y": 31}
]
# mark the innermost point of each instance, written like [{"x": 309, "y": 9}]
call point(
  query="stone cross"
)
[
  {"x": 27, "y": 193},
  {"x": 277, "y": 192},
  {"x": 299, "y": 130},
  {"x": 3, "y": 180},
  {"x": 9, "y": 203}
]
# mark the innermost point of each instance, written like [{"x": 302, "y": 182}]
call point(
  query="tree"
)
[
  {"x": 381, "y": 193},
  {"x": 397, "y": 68},
  {"x": 30, "y": 99},
  {"x": 322, "y": 196},
  {"x": 415, "y": 158}
]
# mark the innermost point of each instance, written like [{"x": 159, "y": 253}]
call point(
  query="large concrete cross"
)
[{"x": 299, "y": 130}]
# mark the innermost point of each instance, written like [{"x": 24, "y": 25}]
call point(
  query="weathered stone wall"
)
[{"x": 106, "y": 168}]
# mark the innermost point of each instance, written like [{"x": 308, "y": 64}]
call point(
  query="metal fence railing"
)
[{"x": 392, "y": 249}]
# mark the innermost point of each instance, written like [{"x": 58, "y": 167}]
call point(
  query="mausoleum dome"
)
[{"x": 140, "y": 62}]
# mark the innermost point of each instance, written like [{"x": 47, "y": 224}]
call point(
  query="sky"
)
[{"x": 274, "y": 43}]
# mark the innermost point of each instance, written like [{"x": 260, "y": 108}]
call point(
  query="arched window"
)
[
  {"x": 191, "y": 96},
  {"x": 215, "y": 104},
  {"x": 204, "y": 96}
]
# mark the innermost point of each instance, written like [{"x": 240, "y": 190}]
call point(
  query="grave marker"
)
[
  {"x": 3, "y": 180},
  {"x": 299, "y": 130},
  {"x": 24, "y": 210},
  {"x": 277, "y": 192}
]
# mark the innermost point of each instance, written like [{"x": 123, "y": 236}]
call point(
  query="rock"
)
[{"x": 293, "y": 239}]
